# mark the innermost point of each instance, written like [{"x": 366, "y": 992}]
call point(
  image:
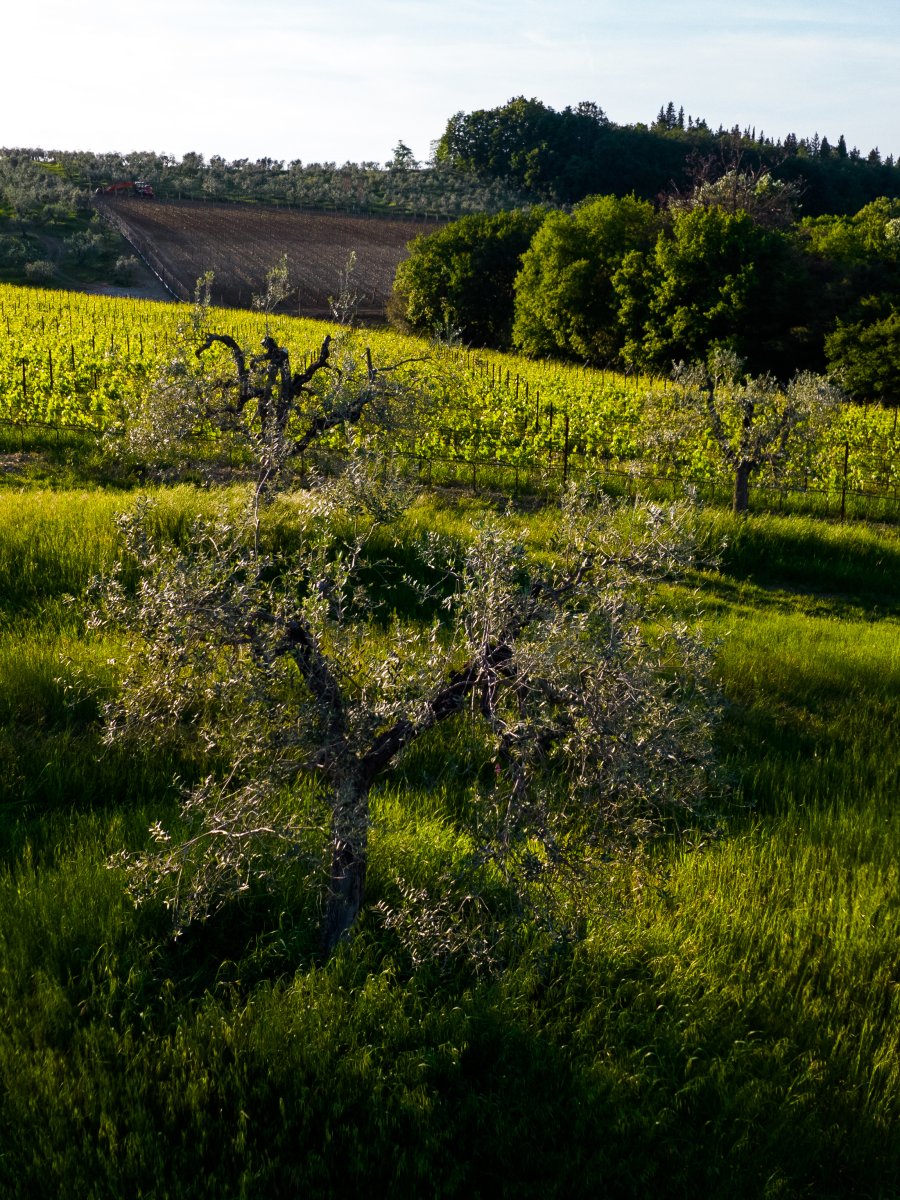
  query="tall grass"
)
[{"x": 727, "y": 1028}]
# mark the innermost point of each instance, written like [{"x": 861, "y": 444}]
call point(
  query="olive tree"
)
[
  {"x": 755, "y": 421},
  {"x": 293, "y": 673},
  {"x": 216, "y": 395}
]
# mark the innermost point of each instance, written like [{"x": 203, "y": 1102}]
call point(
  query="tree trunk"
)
[
  {"x": 741, "y": 501},
  {"x": 349, "y": 850}
]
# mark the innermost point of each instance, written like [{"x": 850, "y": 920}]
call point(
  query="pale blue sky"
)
[{"x": 347, "y": 80}]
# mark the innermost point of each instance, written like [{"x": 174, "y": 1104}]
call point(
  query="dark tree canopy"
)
[
  {"x": 713, "y": 279},
  {"x": 865, "y": 355},
  {"x": 565, "y": 156},
  {"x": 560, "y": 156},
  {"x": 617, "y": 281},
  {"x": 460, "y": 279}
]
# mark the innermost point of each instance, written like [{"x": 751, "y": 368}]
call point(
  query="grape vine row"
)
[{"x": 70, "y": 359}]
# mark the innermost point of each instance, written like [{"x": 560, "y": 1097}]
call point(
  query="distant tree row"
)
[
  {"x": 620, "y": 282},
  {"x": 488, "y": 160},
  {"x": 34, "y": 182}
]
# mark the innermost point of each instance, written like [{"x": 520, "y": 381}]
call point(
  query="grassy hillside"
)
[
  {"x": 490, "y": 418},
  {"x": 726, "y": 1028}
]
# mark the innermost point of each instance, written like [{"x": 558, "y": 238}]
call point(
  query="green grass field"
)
[{"x": 728, "y": 1027}]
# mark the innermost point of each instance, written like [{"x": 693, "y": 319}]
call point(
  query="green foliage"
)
[
  {"x": 855, "y": 259},
  {"x": 573, "y": 153},
  {"x": 565, "y": 303},
  {"x": 45, "y": 190},
  {"x": 403, "y": 159},
  {"x": 88, "y": 360},
  {"x": 715, "y": 279},
  {"x": 487, "y": 161},
  {"x": 871, "y": 235},
  {"x": 529, "y": 144},
  {"x": 14, "y": 250},
  {"x": 84, "y": 245},
  {"x": 865, "y": 355},
  {"x": 459, "y": 281},
  {"x": 727, "y": 1024}
]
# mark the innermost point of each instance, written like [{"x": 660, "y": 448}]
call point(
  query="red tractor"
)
[{"x": 127, "y": 188}]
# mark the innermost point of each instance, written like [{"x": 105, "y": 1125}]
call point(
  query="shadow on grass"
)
[{"x": 845, "y": 565}]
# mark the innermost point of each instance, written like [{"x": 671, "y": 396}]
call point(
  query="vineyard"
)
[
  {"x": 240, "y": 244},
  {"x": 71, "y": 360},
  {"x": 552, "y": 989}
]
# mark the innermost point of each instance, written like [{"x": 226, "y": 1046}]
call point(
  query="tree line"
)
[
  {"x": 618, "y": 281},
  {"x": 40, "y": 185},
  {"x": 561, "y": 157},
  {"x": 485, "y": 161}
]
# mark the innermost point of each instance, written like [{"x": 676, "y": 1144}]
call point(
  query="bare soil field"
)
[{"x": 181, "y": 240}]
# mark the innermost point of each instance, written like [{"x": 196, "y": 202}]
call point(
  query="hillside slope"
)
[{"x": 184, "y": 239}]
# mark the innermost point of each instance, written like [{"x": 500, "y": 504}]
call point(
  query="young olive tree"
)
[
  {"x": 295, "y": 676},
  {"x": 754, "y": 421},
  {"x": 259, "y": 403}
]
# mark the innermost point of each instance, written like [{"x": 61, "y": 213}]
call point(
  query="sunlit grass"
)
[{"x": 727, "y": 1028}]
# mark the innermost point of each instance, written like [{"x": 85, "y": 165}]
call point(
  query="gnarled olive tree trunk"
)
[
  {"x": 349, "y": 856},
  {"x": 741, "y": 495}
]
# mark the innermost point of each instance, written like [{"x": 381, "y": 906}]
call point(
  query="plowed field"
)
[{"x": 184, "y": 239}]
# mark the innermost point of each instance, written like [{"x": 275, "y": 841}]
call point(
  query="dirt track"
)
[{"x": 239, "y": 244}]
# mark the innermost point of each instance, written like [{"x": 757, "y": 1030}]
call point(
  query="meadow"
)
[{"x": 726, "y": 1026}]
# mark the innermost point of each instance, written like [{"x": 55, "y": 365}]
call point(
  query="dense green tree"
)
[
  {"x": 835, "y": 184},
  {"x": 865, "y": 354},
  {"x": 402, "y": 159},
  {"x": 530, "y": 144},
  {"x": 564, "y": 156},
  {"x": 869, "y": 237},
  {"x": 461, "y": 278},
  {"x": 565, "y": 302},
  {"x": 855, "y": 261},
  {"x": 713, "y": 279}
]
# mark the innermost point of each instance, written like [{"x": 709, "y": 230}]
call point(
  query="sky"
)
[{"x": 348, "y": 80}]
